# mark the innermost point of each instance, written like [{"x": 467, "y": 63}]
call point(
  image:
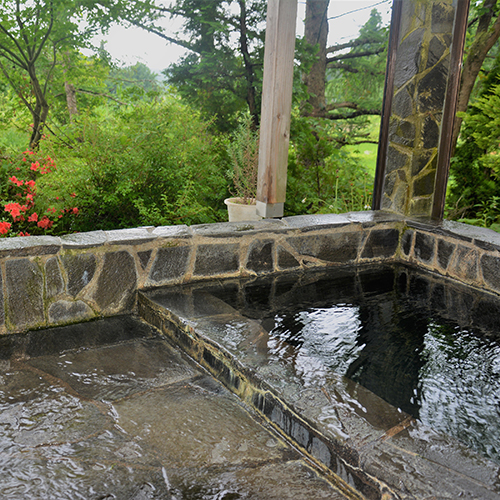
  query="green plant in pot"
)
[{"x": 244, "y": 153}]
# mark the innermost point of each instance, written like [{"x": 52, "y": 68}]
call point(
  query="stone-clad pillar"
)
[{"x": 425, "y": 72}]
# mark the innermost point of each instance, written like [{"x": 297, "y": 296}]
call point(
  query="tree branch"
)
[
  {"x": 351, "y": 45},
  {"x": 350, "y": 69},
  {"x": 100, "y": 94},
  {"x": 155, "y": 31},
  {"x": 23, "y": 62},
  {"x": 326, "y": 112},
  {"x": 355, "y": 114},
  {"x": 46, "y": 36},
  {"x": 355, "y": 55},
  {"x": 20, "y": 23},
  {"x": 483, "y": 42},
  {"x": 7, "y": 76}
]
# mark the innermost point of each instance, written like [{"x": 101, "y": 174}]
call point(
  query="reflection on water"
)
[{"x": 400, "y": 335}]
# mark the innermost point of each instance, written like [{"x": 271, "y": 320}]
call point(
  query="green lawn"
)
[{"x": 367, "y": 153}]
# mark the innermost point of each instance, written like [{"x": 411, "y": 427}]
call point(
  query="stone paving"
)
[
  {"x": 110, "y": 410},
  {"x": 374, "y": 447}
]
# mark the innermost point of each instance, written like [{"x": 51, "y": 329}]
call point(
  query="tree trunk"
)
[
  {"x": 487, "y": 33},
  {"x": 69, "y": 88},
  {"x": 39, "y": 112},
  {"x": 249, "y": 73},
  {"x": 316, "y": 33}
]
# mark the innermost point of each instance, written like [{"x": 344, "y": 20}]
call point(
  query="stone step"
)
[{"x": 372, "y": 448}]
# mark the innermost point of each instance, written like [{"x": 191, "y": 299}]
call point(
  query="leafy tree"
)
[
  {"x": 34, "y": 34},
  {"x": 222, "y": 73},
  {"x": 78, "y": 82},
  {"x": 483, "y": 34},
  {"x": 354, "y": 70},
  {"x": 356, "y": 77},
  {"x": 474, "y": 192},
  {"x": 137, "y": 79}
]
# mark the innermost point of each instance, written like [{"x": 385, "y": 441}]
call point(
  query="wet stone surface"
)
[
  {"x": 134, "y": 420},
  {"x": 337, "y": 349}
]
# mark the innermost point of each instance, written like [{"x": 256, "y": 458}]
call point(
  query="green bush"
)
[
  {"x": 323, "y": 177},
  {"x": 474, "y": 190},
  {"x": 154, "y": 163}
]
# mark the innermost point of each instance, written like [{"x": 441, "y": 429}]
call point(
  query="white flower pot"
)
[{"x": 241, "y": 212}]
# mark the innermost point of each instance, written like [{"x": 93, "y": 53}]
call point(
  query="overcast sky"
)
[{"x": 132, "y": 45}]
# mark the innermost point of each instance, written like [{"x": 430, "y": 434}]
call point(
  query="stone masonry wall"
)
[
  {"x": 420, "y": 84},
  {"x": 48, "y": 281}
]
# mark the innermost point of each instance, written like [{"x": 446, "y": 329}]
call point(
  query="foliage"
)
[
  {"x": 154, "y": 163},
  {"x": 24, "y": 212},
  {"x": 356, "y": 77},
  {"x": 475, "y": 190},
  {"x": 222, "y": 73},
  {"x": 244, "y": 153},
  {"x": 33, "y": 35},
  {"x": 87, "y": 75},
  {"x": 323, "y": 177},
  {"x": 481, "y": 46},
  {"x": 133, "y": 81}
]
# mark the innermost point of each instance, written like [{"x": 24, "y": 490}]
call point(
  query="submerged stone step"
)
[
  {"x": 372, "y": 447},
  {"x": 128, "y": 416}
]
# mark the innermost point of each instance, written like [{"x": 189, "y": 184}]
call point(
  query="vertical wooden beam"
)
[
  {"x": 383, "y": 141},
  {"x": 450, "y": 108},
  {"x": 276, "y": 106}
]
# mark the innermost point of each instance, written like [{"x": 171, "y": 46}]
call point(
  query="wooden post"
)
[
  {"x": 383, "y": 141},
  {"x": 450, "y": 108},
  {"x": 276, "y": 106}
]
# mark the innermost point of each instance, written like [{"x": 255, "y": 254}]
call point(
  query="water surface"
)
[{"x": 428, "y": 347}]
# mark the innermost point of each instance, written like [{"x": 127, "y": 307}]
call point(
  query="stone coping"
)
[
  {"x": 49, "y": 281},
  {"x": 379, "y": 451}
]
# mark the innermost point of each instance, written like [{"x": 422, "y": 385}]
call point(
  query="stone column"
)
[{"x": 425, "y": 72}]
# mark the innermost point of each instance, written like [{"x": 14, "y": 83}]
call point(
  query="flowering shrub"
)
[
  {"x": 154, "y": 163},
  {"x": 22, "y": 213}
]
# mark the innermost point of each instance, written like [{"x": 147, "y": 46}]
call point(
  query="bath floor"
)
[{"x": 124, "y": 415}]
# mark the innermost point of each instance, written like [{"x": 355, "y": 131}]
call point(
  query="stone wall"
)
[
  {"x": 420, "y": 86},
  {"x": 47, "y": 281}
]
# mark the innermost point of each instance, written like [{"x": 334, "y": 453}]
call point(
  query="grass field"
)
[{"x": 367, "y": 153}]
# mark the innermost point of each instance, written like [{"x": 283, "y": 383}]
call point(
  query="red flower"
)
[
  {"x": 75, "y": 210},
  {"x": 45, "y": 223},
  {"x": 33, "y": 217},
  {"x": 4, "y": 227},
  {"x": 51, "y": 210},
  {"x": 34, "y": 166},
  {"x": 16, "y": 181},
  {"x": 30, "y": 184},
  {"x": 24, "y": 234},
  {"x": 14, "y": 209},
  {"x": 73, "y": 195}
]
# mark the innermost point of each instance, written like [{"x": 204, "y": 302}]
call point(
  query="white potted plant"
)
[{"x": 244, "y": 153}]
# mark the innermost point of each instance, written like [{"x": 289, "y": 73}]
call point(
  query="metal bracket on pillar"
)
[{"x": 276, "y": 106}]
